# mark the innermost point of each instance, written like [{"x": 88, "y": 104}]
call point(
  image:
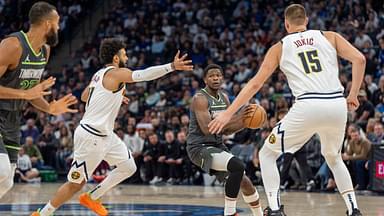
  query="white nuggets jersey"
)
[
  {"x": 310, "y": 63},
  {"x": 102, "y": 106}
]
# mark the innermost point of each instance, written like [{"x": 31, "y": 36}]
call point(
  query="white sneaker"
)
[{"x": 154, "y": 180}]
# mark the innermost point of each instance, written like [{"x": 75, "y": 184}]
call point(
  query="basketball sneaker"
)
[
  {"x": 94, "y": 205},
  {"x": 268, "y": 212},
  {"x": 355, "y": 212},
  {"x": 36, "y": 213}
]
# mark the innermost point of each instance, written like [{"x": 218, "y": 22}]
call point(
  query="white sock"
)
[
  {"x": 350, "y": 200},
  {"x": 47, "y": 210},
  {"x": 343, "y": 180},
  {"x": 230, "y": 206},
  {"x": 256, "y": 210},
  {"x": 122, "y": 171},
  {"x": 271, "y": 177}
]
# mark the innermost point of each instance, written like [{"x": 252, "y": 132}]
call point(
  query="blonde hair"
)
[{"x": 295, "y": 14}]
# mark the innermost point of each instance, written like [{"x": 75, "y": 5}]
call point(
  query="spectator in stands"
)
[
  {"x": 357, "y": 153},
  {"x": 24, "y": 168},
  {"x": 29, "y": 129},
  {"x": 48, "y": 145},
  {"x": 378, "y": 95},
  {"x": 65, "y": 148},
  {"x": 365, "y": 111},
  {"x": 377, "y": 137},
  {"x": 33, "y": 152},
  {"x": 381, "y": 55},
  {"x": 370, "y": 128},
  {"x": 135, "y": 144},
  {"x": 151, "y": 154},
  {"x": 172, "y": 154}
]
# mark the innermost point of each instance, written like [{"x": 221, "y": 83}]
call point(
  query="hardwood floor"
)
[{"x": 179, "y": 200}]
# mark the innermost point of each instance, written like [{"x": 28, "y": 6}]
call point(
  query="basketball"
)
[{"x": 257, "y": 118}]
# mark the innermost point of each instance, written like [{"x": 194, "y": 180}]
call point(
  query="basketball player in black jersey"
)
[
  {"x": 208, "y": 151},
  {"x": 23, "y": 57}
]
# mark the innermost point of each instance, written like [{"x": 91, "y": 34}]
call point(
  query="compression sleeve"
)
[{"x": 151, "y": 73}]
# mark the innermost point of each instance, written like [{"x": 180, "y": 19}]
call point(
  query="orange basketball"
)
[{"x": 257, "y": 118}]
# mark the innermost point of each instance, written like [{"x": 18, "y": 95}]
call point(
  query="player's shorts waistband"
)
[
  {"x": 92, "y": 130},
  {"x": 324, "y": 95}
]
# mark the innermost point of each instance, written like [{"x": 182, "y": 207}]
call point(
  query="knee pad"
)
[
  {"x": 235, "y": 165},
  {"x": 127, "y": 166}
]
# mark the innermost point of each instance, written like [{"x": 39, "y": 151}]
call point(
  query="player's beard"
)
[
  {"x": 52, "y": 38},
  {"x": 121, "y": 64}
]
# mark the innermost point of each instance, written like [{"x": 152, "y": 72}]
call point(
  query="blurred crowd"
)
[
  {"x": 235, "y": 35},
  {"x": 14, "y": 15}
]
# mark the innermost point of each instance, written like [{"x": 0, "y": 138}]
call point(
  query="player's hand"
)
[
  {"x": 39, "y": 90},
  {"x": 161, "y": 159},
  {"x": 352, "y": 102},
  {"x": 247, "y": 111},
  {"x": 181, "y": 63},
  {"x": 62, "y": 105},
  {"x": 345, "y": 157},
  {"x": 125, "y": 100},
  {"x": 218, "y": 123},
  {"x": 170, "y": 161}
]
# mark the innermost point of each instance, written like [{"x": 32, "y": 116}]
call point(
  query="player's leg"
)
[
  {"x": 226, "y": 162},
  {"x": 32, "y": 173},
  {"x": 9, "y": 148},
  {"x": 118, "y": 155},
  {"x": 251, "y": 196},
  {"x": 270, "y": 176},
  {"x": 289, "y": 135},
  {"x": 6, "y": 170},
  {"x": 88, "y": 153},
  {"x": 331, "y": 141}
]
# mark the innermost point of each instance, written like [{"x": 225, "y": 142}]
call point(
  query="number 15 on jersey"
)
[{"x": 310, "y": 60}]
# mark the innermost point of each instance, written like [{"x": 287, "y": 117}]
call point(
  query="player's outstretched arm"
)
[
  {"x": 152, "y": 73},
  {"x": 270, "y": 63},
  {"x": 347, "y": 51}
]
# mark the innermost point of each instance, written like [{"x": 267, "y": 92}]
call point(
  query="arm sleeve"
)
[{"x": 151, "y": 73}]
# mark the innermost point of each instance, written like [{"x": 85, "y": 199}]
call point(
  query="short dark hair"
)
[
  {"x": 110, "y": 47},
  {"x": 295, "y": 14},
  {"x": 40, "y": 11},
  {"x": 212, "y": 66}
]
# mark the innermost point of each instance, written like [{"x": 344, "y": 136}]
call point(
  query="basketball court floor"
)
[{"x": 179, "y": 201}]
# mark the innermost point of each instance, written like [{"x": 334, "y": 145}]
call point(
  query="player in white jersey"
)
[
  {"x": 94, "y": 139},
  {"x": 309, "y": 60}
]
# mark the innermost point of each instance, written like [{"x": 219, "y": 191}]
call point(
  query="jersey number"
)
[
  {"x": 310, "y": 61},
  {"x": 90, "y": 95}
]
